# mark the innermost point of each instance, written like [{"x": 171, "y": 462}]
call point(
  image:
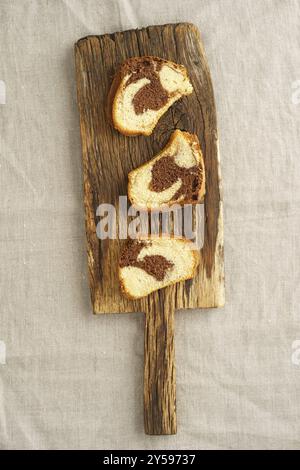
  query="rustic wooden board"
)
[{"x": 108, "y": 157}]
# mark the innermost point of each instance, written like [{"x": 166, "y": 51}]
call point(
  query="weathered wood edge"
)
[{"x": 145, "y": 28}]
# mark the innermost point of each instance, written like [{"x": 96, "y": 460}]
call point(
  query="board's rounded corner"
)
[{"x": 191, "y": 26}]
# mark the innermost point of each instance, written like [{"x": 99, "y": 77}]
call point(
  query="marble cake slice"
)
[
  {"x": 149, "y": 264},
  {"x": 143, "y": 90},
  {"x": 175, "y": 176}
]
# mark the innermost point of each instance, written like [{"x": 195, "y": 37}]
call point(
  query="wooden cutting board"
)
[{"x": 108, "y": 157}]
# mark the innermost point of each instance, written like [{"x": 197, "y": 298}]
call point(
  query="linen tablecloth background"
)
[{"x": 73, "y": 380}]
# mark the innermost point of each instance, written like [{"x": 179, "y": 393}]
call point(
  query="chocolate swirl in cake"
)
[
  {"x": 155, "y": 265},
  {"x": 165, "y": 172},
  {"x": 152, "y": 95}
]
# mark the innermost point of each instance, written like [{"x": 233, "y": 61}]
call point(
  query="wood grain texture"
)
[
  {"x": 159, "y": 365},
  {"x": 108, "y": 157}
]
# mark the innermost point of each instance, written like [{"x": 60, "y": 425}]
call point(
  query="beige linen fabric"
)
[{"x": 72, "y": 380}]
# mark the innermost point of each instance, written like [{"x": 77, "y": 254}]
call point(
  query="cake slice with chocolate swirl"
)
[
  {"x": 149, "y": 264},
  {"x": 175, "y": 176},
  {"x": 143, "y": 90}
]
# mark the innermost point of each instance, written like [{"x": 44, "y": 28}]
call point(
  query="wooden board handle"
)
[{"x": 159, "y": 367}]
